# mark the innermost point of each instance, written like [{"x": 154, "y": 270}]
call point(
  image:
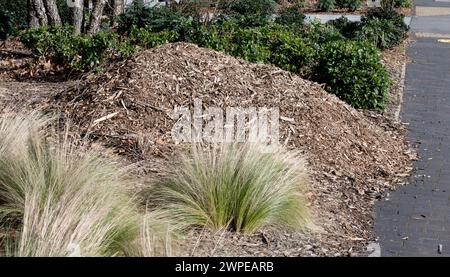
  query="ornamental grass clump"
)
[
  {"x": 57, "y": 199},
  {"x": 243, "y": 187}
]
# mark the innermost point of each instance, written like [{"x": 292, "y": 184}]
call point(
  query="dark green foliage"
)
[
  {"x": 6, "y": 25},
  {"x": 249, "y": 7},
  {"x": 290, "y": 16},
  {"x": 16, "y": 11},
  {"x": 291, "y": 53},
  {"x": 351, "y": 5},
  {"x": 352, "y": 70},
  {"x": 395, "y": 17},
  {"x": 346, "y": 27},
  {"x": 403, "y": 3},
  {"x": 249, "y": 13},
  {"x": 145, "y": 37},
  {"x": 158, "y": 19},
  {"x": 383, "y": 29},
  {"x": 383, "y": 33},
  {"x": 79, "y": 52},
  {"x": 317, "y": 33},
  {"x": 252, "y": 45},
  {"x": 326, "y": 5}
]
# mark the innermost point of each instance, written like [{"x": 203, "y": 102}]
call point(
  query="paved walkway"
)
[{"x": 415, "y": 219}]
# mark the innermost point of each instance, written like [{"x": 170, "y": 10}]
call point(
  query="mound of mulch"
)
[{"x": 352, "y": 158}]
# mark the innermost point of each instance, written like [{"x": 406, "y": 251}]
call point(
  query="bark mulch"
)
[{"x": 352, "y": 159}]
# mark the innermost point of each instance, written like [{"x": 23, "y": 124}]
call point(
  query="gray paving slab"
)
[
  {"x": 432, "y": 3},
  {"x": 415, "y": 219},
  {"x": 324, "y": 18},
  {"x": 431, "y": 24}
]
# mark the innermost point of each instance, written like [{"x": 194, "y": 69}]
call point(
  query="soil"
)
[{"x": 353, "y": 157}]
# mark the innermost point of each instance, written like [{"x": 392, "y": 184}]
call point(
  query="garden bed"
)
[
  {"x": 352, "y": 160},
  {"x": 353, "y": 156}
]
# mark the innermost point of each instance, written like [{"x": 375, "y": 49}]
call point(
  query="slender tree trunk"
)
[
  {"x": 52, "y": 12},
  {"x": 39, "y": 11},
  {"x": 118, "y": 7},
  {"x": 33, "y": 21},
  {"x": 76, "y": 16},
  {"x": 96, "y": 17}
]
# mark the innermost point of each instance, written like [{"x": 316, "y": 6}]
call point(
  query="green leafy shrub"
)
[
  {"x": 16, "y": 12},
  {"x": 249, "y": 7},
  {"x": 251, "y": 45},
  {"x": 290, "y": 16},
  {"x": 291, "y": 52},
  {"x": 79, "y": 52},
  {"x": 146, "y": 38},
  {"x": 403, "y": 3},
  {"x": 6, "y": 25},
  {"x": 352, "y": 70},
  {"x": 383, "y": 33},
  {"x": 347, "y": 28},
  {"x": 250, "y": 13},
  {"x": 351, "y": 5},
  {"x": 157, "y": 18},
  {"x": 396, "y": 18},
  {"x": 240, "y": 186},
  {"x": 275, "y": 44},
  {"x": 317, "y": 33},
  {"x": 215, "y": 37},
  {"x": 326, "y": 5},
  {"x": 384, "y": 29}
]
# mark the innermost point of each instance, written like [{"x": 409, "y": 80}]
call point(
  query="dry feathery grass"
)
[
  {"x": 240, "y": 186},
  {"x": 68, "y": 201}
]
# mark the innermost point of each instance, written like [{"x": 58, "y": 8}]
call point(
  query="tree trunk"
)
[
  {"x": 118, "y": 7},
  {"x": 96, "y": 17},
  {"x": 38, "y": 10},
  {"x": 33, "y": 21},
  {"x": 52, "y": 12},
  {"x": 76, "y": 16}
]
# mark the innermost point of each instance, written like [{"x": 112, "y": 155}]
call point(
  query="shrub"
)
[
  {"x": 250, "y": 13},
  {"x": 352, "y": 70},
  {"x": 382, "y": 33},
  {"x": 215, "y": 37},
  {"x": 6, "y": 25},
  {"x": 351, "y": 5},
  {"x": 249, "y": 7},
  {"x": 146, "y": 38},
  {"x": 290, "y": 17},
  {"x": 383, "y": 28},
  {"x": 157, "y": 18},
  {"x": 396, "y": 18},
  {"x": 16, "y": 12},
  {"x": 326, "y": 5},
  {"x": 403, "y": 3},
  {"x": 347, "y": 28},
  {"x": 243, "y": 187},
  {"x": 317, "y": 33},
  {"x": 79, "y": 52},
  {"x": 290, "y": 52},
  {"x": 274, "y": 44},
  {"x": 251, "y": 45},
  {"x": 64, "y": 200}
]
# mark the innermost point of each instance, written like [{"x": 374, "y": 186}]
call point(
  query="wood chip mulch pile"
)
[{"x": 352, "y": 159}]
